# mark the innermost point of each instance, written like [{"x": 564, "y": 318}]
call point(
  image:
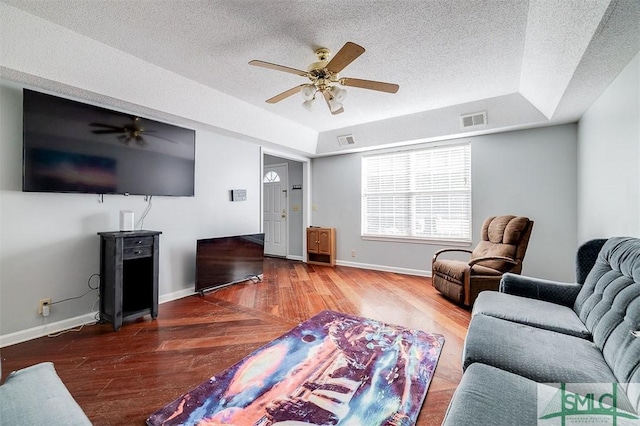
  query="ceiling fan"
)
[
  {"x": 128, "y": 132},
  {"x": 325, "y": 79}
]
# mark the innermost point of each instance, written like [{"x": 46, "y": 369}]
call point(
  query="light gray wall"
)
[
  {"x": 530, "y": 173},
  {"x": 294, "y": 199},
  {"x": 609, "y": 160},
  {"x": 48, "y": 242}
]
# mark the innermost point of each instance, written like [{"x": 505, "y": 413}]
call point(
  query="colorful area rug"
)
[{"x": 333, "y": 369}]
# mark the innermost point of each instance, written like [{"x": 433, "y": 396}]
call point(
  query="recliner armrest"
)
[
  {"x": 536, "y": 288},
  {"x": 485, "y": 258},
  {"x": 446, "y": 250}
]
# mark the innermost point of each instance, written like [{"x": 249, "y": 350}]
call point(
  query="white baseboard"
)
[
  {"x": 69, "y": 323},
  {"x": 406, "y": 271},
  {"x": 185, "y": 292},
  {"x": 46, "y": 329}
]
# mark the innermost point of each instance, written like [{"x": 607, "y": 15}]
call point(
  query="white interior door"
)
[{"x": 275, "y": 208}]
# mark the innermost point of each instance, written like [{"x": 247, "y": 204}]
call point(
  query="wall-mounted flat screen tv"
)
[
  {"x": 70, "y": 146},
  {"x": 228, "y": 260}
]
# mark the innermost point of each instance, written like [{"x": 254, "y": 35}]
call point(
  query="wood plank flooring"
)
[{"x": 119, "y": 378}]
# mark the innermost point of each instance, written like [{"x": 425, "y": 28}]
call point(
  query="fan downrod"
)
[{"x": 323, "y": 55}]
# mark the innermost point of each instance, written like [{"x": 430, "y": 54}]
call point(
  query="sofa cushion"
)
[
  {"x": 489, "y": 396},
  {"x": 536, "y": 313},
  {"x": 36, "y": 396},
  {"x": 540, "y": 355}
]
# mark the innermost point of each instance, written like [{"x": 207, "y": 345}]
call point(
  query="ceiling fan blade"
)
[
  {"x": 104, "y": 132},
  {"x": 285, "y": 94},
  {"x": 327, "y": 97},
  {"x": 370, "y": 84},
  {"x": 108, "y": 126},
  {"x": 278, "y": 67},
  {"x": 346, "y": 55}
]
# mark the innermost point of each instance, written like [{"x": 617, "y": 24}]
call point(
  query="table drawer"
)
[
  {"x": 136, "y": 252},
  {"x": 137, "y": 242}
]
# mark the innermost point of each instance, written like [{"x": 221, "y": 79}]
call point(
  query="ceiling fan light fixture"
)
[
  {"x": 334, "y": 105},
  {"x": 308, "y": 104},
  {"x": 338, "y": 94},
  {"x": 308, "y": 92}
]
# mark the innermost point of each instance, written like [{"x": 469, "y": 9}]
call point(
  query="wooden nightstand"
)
[{"x": 321, "y": 246}]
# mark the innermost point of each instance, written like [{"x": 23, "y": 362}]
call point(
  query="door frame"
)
[{"x": 306, "y": 191}]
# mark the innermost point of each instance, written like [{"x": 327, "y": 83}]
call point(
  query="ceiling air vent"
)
[
  {"x": 473, "y": 120},
  {"x": 346, "y": 140}
]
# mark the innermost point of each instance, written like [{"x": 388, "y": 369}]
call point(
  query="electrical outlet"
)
[
  {"x": 42, "y": 303},
  {"x": 353, "y": 253}
]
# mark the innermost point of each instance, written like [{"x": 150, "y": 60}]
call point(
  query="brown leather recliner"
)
[{"x": 504, "y": 243}]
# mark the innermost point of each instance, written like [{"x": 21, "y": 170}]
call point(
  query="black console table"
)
[{"x": 128, "y": 275}]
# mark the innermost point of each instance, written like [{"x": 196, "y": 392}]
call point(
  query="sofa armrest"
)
[
  {"x": 36, "y": 396},
  {"x": 536, "y": 288}
]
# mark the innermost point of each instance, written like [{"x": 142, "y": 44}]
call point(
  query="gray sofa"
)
[{"x": 536, "y": 344}]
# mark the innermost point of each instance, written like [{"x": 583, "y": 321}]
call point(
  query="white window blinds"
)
[{"x": 418, "y": 194}]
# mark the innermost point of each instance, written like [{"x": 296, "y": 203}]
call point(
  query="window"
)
[
  {"x": 422, "y": 194},
  {"x": 271, "y": 176}
]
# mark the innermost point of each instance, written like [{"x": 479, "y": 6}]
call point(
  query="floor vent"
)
[
  {"x": 346, "y": 140},
  {"x": 473, "y": 120}
]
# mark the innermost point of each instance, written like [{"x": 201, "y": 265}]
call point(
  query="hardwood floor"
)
[{"x": 119, "y": 378}]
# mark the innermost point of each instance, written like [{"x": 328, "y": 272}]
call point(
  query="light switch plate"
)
[{"x": 238, "y": 195}]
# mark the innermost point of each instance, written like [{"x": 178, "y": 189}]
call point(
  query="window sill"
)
[{"x": 410, "y": 240}]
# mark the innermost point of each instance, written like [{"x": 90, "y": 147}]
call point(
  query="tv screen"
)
[
  {"x": 228, "y": 260},
  {"x": 74, "y": 147}
]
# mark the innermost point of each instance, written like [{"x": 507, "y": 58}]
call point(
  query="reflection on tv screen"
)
[{"x": 68, "y": 171}]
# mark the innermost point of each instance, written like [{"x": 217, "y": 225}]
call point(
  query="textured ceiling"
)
[{"x": 441, "y": 53}]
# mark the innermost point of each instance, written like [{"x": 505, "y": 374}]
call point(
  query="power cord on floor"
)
[{"x": 71, "y": 330}]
